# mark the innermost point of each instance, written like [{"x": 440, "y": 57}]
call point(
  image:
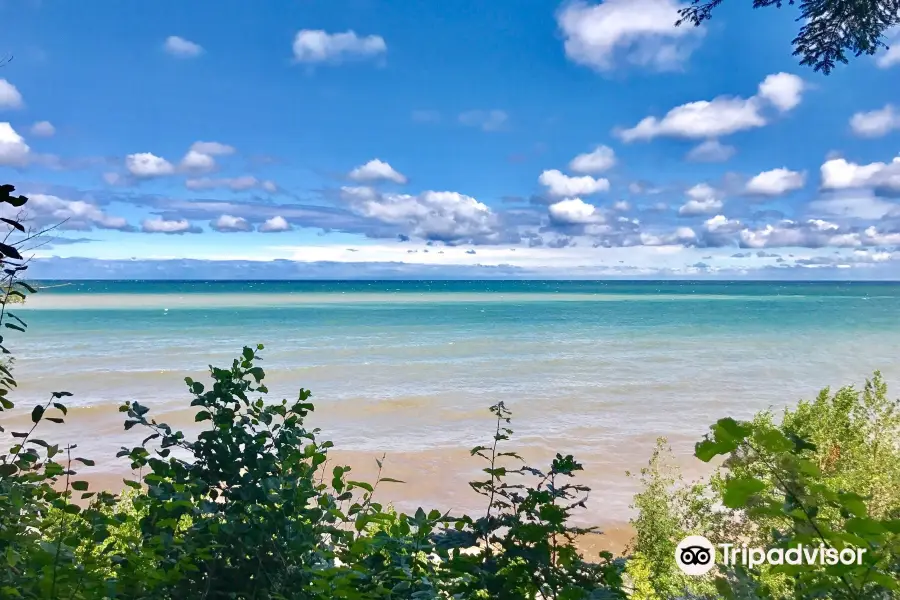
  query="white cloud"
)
[
  {"x": 230, "y": 224},
  {"x": 891, "y": 56},
  {"x": 697, "y": 120},
  {"x": 783, "y": 90},
  {"x": 443, "y": 216},
  {"x": 682, "y": 236},
  {"x": 43, "y": 129},
  {"x": 170, "y": 226},
  {"x": 622, "y": 206},
  {"x": 722, "y": 115},
  {"x": 236, "y": 184},
  {"x": 77, "y": 214},
  {"x": 317, "y": 46},
  {"x": 642, "y": 32},
  {"x": 212, "y": 148},
  {"x": 13, "y": 149},
  {"x": 711, "y": 151},
  {"x": 574, "y": 211},
  {"x": 838, "y": 173},
  {"x": 197, "y": 161},
  {"x": 702, "y": 200},
  {"x": 275, "y": 224},
  {"x": 875, "y": 123},
  {"x": 10, "y": 96},
  {"x": 200, "y": 156},
  {"x": 600, "y": 159},
  {"x": 146, "y": 165},
  {"x": 376, "y": 170},
  {"x": 559, "y": 184},
  {"x": 487, "y": 120},
  {"x": 182, "y": 48},
  {"x": 776, "y": 182}
]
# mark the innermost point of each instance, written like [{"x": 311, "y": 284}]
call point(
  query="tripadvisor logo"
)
[{"x": 696, "y": 555}]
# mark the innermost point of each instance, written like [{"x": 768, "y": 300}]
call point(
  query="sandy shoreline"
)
[
  {"x": 50, "y": 301},
  {"x": 613, "y": 536}
]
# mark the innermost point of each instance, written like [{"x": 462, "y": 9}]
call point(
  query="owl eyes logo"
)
[{"x": 695, "y": 555}]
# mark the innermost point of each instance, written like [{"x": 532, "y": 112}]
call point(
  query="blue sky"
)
[{"x": 526, "y": 138}]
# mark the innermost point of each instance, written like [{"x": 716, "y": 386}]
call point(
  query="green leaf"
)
[
  {"x": 739, "y": 490},
  {"x": 853, "y": 504},
  {"x": 773, "y": 440},
  {"x": 132, "y": 484},
  {"x": 390, "y": 480},
  {"x": 36, "y": 414},
  {"x": 730, "y": 430},
  {"x": 80, "y": 486},
  {"x": 706, "y": 450},
  {"x": 203, "y": 415},
  {"x": 86, "y": 461}
]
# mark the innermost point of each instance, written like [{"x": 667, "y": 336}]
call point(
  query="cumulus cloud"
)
[
  {"x": 682, "y": 236},
  {"x": 376, "y": 170},
  {"x": 314, "y": 46},
  {"x": 487, "y": 120},
  {"x": 168, "y": 226},
  {"x": 14, "y": 152},
  {"x": 10, "y": 96},
  {"x": 77, "y": 215},
  {"x": 561, "y": 185},
  {"x": 722, "y": 115},
  {"x": 230, "y": 224},
  {"x": 783, "y": 90},
  {"x": 182, "y": 48},
  {"x": 875, "y": 123},
  {"x": 839, "y": 173},
  {"x": 711, "y": 151},
  {"x": 574, "y": 211},
  {"x": 235, "y": 184},
  {"x": 703, "y": 199},
  {"x": 200, "y": 156},
  {"x": 600, "y": 159},
  {"x": 775, "y": 182},
  {"x": 43, "y": 129},
  {"x": 145, "y": 165},
  {"x": 637, "y": 32},
  {"x": 439, "y": 216},
  {"x": 275, "y": 224}
]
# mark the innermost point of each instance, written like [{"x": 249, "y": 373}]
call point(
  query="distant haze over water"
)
[{"x": 594, "y": 368}]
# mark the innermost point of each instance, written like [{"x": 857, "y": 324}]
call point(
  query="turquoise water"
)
[{"x": 598, "y": 369}]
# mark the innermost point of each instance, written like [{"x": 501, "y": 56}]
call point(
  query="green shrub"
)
[{"x": 827, "y": 473}]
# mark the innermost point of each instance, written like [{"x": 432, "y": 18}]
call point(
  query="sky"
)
[{"x": 516, "y": 138}]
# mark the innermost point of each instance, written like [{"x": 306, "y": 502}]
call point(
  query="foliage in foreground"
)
[{"x": 827, "y": 473}]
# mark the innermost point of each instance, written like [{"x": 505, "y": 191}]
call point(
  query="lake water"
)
[{"x": 596, "y": 369}]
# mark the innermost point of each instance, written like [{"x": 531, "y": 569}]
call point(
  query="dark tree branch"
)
[{"x": 832, "y": 28}]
